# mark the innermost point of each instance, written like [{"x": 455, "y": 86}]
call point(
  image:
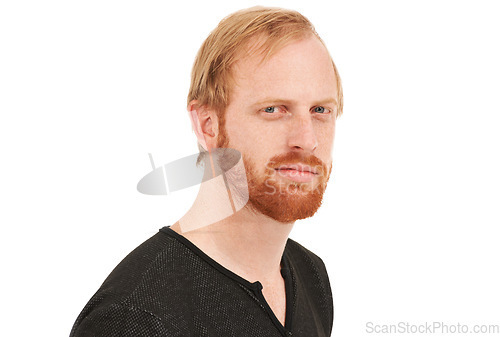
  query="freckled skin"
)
[
  {"x": 283, "y": 107},
  {"x": 302, "y": 73}
]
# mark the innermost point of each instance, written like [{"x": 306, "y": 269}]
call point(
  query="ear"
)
[{"x": 205, "y": 124}]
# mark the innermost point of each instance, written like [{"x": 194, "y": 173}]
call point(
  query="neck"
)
[{"x": 246, "y": 242}]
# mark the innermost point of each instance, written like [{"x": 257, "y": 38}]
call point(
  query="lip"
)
[
  {"x": 297, "y": 172},
  {"x": 298, "y": 167}
]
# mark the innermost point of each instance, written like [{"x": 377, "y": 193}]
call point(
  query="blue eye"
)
[
  {"x": 270, "y": 109},
  {"x": 319, "y": 109}
]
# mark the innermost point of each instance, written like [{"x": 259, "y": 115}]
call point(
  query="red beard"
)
[{"x": 281, "y": 199}]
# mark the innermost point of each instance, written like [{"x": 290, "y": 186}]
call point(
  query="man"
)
[{"x": 264, "y": 84}]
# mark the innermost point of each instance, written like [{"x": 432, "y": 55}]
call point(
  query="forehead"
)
[{"x": 302, "y": 69}]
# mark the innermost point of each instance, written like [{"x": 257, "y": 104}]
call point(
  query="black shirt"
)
[{"x": 169, "y": 287}]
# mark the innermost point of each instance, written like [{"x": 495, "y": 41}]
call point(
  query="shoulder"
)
[
  {"x": 303, "y": 258},
  {"x": 143, "y": 260},
  {"x": 311, "y": 277},
  {"x": 117, "y": 319},
  {"x": 128, "y": 298}
]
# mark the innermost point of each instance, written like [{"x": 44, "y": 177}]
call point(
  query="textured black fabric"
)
[{"x": 169, "y": 287}]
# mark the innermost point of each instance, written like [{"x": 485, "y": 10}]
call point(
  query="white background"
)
[{"x": 409, "y": 226}]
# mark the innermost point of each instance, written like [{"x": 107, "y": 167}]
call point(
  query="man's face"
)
[{"x": 281, "y": 117}]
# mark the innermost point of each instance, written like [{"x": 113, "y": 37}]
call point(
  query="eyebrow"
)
[{"x": 279, "y": 101}]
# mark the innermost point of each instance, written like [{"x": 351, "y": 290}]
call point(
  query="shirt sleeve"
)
[
  {"x": 324, "y": 290},
  {"x": 117, "y": 320},
  {"x": 328, "y": 294}
]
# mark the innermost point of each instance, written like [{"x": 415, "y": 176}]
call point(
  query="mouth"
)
[{"x": 297, "y": 172}]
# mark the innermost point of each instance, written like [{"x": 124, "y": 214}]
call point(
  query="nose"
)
[{"x": 302, "y": 136}]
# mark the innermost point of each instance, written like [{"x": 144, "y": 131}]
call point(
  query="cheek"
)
[
  {"x": 250, "y": 142},
  {"x": 253, "y": 136},
  {"x": 326, "y": 138}
]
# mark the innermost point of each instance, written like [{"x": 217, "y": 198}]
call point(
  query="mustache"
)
[{"x": 298, "y": 158}]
